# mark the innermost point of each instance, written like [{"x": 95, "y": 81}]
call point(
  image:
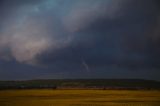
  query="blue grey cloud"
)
[{"x": 94, "y": 35}]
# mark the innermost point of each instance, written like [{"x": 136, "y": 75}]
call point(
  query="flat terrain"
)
[{"x": 79, "y": 98}]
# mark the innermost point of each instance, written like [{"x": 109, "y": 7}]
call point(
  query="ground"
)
[{"x": 79, "y": 98}]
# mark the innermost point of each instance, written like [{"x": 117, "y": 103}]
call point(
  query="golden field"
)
[{"x": 79, "y": 98}]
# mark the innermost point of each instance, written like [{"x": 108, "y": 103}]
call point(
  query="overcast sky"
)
[{"x": 79, "y": 39}]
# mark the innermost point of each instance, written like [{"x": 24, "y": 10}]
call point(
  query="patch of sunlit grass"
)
[{"x": 79, "y": 98}]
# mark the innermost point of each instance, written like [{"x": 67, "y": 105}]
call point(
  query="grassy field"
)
[{"x": 79, "y": 98}]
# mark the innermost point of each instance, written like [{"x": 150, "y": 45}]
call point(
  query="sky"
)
[{"x": 56, "y": 39}]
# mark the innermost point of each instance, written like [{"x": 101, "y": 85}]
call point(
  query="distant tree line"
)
[{"x": 104, "y": 84}]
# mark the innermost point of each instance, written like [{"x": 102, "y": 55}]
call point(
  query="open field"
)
[{"x": 79, "y": 98}]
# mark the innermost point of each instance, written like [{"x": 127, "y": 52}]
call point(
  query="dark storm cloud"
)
[
  {"x": 89, "y": 35},
  {"x": 31, "y": 29},
  {"x": 125, "y": 41}
]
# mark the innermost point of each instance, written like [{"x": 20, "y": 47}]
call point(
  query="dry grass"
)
[{"x": 79, "y": 98}]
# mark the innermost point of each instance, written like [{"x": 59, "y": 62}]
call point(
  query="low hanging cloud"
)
[
  {"x": 29, "y": 32},
  {"x": 25, "y": 42},
  {"x": 33, "y": 30}
]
